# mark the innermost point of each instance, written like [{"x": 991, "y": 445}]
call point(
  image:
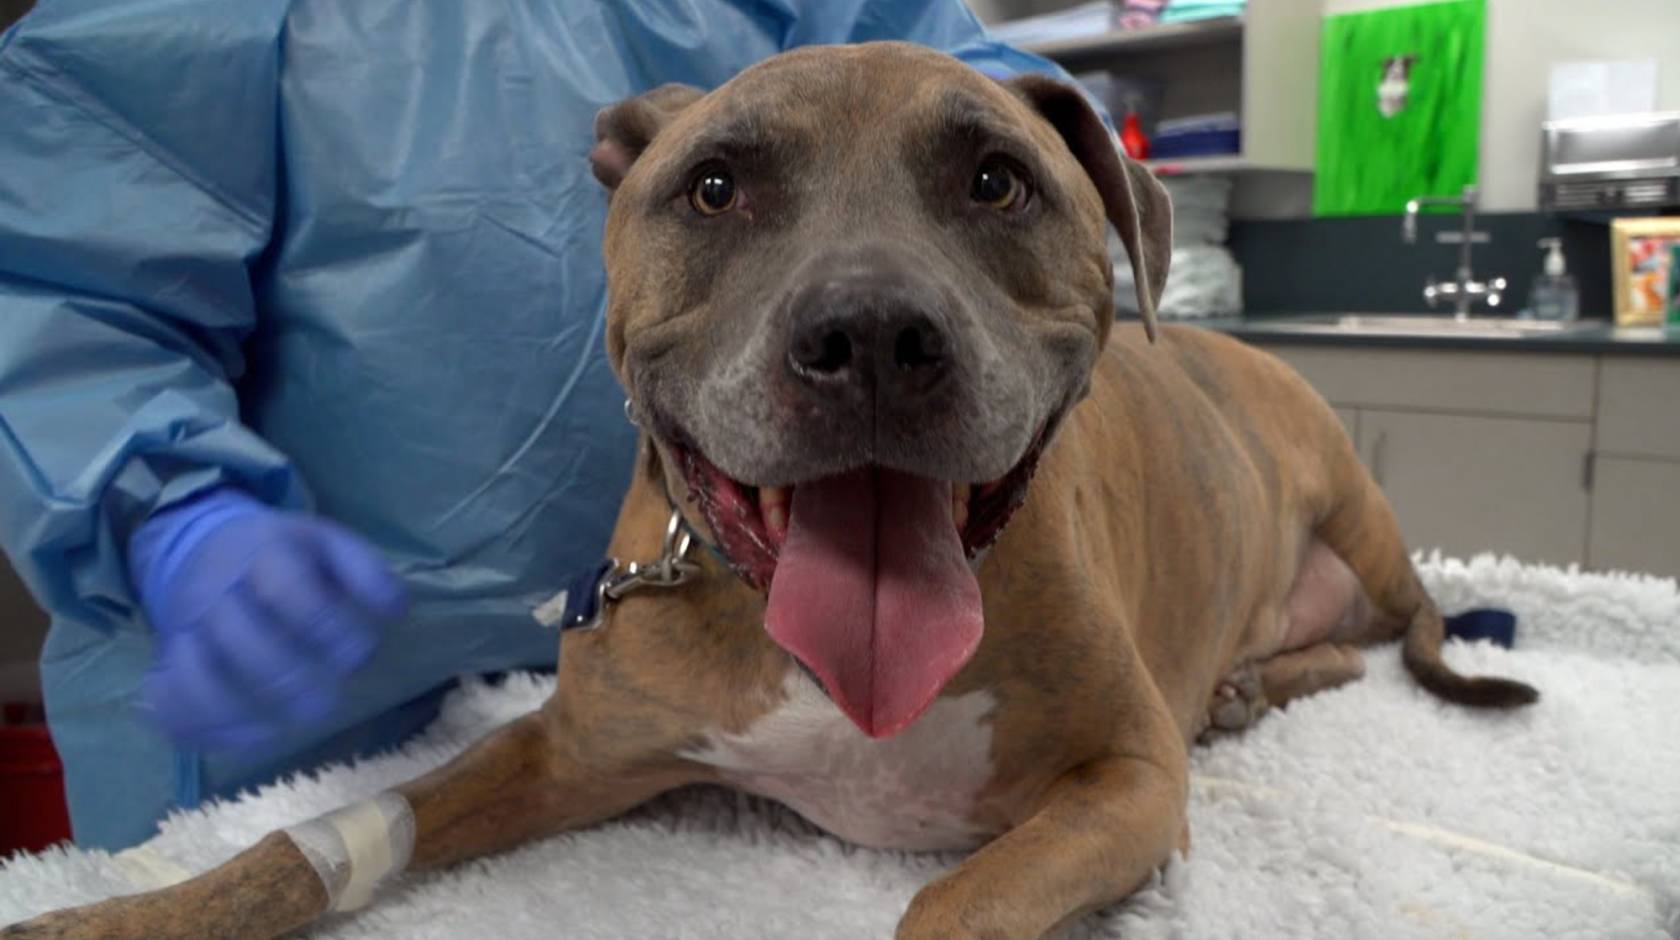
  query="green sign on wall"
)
[{"x": 1400, "y": 102}]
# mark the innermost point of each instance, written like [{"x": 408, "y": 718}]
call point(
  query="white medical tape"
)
[
  {"x": 355, "y": 849},
  {"x": 148, "y": 870}
]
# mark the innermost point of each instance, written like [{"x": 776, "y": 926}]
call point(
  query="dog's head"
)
[
  {"x": 1395, "y": 84},
  {"x": 852, "y": 292}
]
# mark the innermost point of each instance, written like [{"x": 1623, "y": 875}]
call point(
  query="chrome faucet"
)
[{"x": 1464, "y": 289}]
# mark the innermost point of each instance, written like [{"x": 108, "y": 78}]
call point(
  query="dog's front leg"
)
[
  {"x": 519, "y": 783},
  {"x": 1099, "y": 832}
]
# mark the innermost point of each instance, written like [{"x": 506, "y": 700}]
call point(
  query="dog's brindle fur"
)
[{"x": 1200, "y": 534}]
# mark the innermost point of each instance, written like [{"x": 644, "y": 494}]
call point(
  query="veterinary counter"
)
[{"x": 1561, "y": 448}]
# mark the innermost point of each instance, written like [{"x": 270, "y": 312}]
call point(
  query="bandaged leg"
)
[
  {"x": 518, "y": 784},
  {"x": 356, "y": 849}
]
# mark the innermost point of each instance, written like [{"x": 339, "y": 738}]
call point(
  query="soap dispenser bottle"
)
[{"x": 1554, "y": 296}]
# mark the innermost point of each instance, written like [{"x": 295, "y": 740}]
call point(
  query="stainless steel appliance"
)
[{"x": 1606, "y": 164}]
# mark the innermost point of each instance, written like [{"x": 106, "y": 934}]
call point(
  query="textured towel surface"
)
[{"x": 1370, "y": 811}]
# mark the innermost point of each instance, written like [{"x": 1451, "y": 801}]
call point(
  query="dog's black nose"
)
[{"x": 860, "y": 333}]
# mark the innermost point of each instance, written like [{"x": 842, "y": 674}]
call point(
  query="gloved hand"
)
[{"x": 262, "y": 615}]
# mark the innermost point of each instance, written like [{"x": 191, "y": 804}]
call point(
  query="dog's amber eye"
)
[
  {"x": 997, "y": 186},
  {"x": 713, "y": 192}
]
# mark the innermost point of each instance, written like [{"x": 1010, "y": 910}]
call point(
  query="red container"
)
[{"x": 32, "y": 812}]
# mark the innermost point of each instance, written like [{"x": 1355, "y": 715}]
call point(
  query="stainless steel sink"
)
[{"x": 1426, "y": 325}]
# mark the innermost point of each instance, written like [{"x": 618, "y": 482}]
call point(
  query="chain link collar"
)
[{"x": 583, "y": 605}]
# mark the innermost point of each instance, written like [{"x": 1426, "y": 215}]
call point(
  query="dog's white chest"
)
[{"x": 915, "y": 790}]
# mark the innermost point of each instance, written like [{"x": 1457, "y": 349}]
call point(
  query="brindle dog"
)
[{"x": 990, "y": 563}]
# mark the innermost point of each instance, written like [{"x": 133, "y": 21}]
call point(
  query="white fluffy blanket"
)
[{"x": 1370, "y": 811}]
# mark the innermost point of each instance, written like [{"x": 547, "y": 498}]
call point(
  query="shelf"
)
[
  {"x": 1262, "y": 65},
  {"x": 1186, "y": 166},
  {"x": 1224, "y": 163},
  {"x": 1168, "y": 36}
]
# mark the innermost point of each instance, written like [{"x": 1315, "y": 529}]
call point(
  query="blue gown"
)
[{"x": 346, "y": 256}]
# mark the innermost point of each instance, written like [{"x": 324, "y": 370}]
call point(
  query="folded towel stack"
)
[
  {"x": 1184, "y": 11},
  {"x": 1204, "y": 280},
  {"x": 1140, "y": 14},
  {"x": 1100, "y": 16}
]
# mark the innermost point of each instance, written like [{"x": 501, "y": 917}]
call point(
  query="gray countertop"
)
[{"x": 1598, "y": 337}]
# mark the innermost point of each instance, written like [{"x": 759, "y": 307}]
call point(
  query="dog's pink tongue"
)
[{"x": 873, "y": 593}]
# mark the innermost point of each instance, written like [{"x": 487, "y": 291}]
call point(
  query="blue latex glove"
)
[{"x": 262, "y": 615}]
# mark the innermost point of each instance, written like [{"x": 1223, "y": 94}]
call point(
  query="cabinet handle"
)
[
  {"x": 1379, "y": 450},
  {"x": 1588, "y": 464}
]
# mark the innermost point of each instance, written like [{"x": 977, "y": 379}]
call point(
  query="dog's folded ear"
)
[
  {"x": 1137, "y": 204},
  {"x": 624, "y": 130}
]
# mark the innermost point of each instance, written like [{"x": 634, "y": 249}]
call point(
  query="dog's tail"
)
[
  {"x": 1360, "y": 528},
  {"x": 1421, "y": 653}
]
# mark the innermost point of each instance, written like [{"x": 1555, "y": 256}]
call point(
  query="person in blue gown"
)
[{"x": 303, "y": 401}]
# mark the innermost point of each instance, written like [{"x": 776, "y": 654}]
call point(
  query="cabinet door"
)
[
  {"x": 1637, "y": 413},
  {"x": 1636, "y": 516},
  {"x": 1468, "y": 484},
  {"x": 1521, "y": 384}
]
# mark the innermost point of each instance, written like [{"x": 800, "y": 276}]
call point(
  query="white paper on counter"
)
[{"x": 1589, "y": 89}]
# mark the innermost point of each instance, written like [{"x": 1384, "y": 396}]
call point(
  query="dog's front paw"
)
[
  {"x": 57, "y": 925},
  {"x": 108, "y": 920},
  {"x": 940, "y": 912},
  {"x": 941, "y": 926}
]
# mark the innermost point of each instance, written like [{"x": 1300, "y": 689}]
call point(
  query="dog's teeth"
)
[
  {"x": 960, "y": 494},
  {"x": 773, "y": 505}
]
